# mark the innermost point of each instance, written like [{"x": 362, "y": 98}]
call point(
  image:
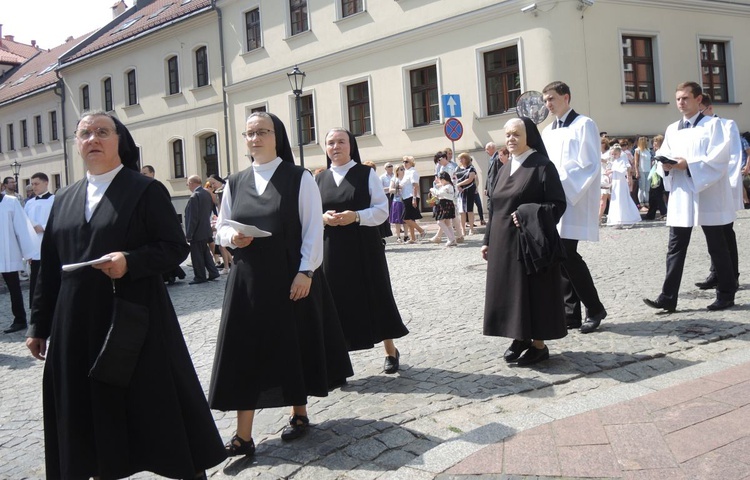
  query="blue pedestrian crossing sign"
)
[{"x": 451, "y": 105}]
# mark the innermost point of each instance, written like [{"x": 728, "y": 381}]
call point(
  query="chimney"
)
[
  {"x": 118, "y": 8},
  {"x": 1, "y": 34},
  {"x": 9, "y": 38},
  {"x": 69, "y": 39},
  {"x": 33, "y": 43}
]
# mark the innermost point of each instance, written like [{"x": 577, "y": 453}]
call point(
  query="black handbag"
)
[{"x": 119, "y": 355}]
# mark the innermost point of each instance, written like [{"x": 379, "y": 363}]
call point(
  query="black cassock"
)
[
  {"x": 273, "y": 351},
  {"x": 519, "y": 305},
  {"x": 356, "y": 267},
  {"x": 161, "y": 421}
]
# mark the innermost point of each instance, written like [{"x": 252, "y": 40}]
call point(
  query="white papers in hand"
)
[
  {"x": 75, "y": 266},
  {"x": 247, "y": 230}
]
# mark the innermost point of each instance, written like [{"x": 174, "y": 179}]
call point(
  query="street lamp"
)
[
  {"x": 296, "y": 80},
  {"x": 15, "y": 167}
]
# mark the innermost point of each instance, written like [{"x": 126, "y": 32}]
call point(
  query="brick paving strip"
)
[{"x": 455, "y": 397}]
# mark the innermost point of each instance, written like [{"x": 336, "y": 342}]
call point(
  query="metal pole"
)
[{"x": 297, "y": 94}]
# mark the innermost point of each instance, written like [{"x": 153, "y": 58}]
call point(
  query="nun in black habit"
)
[
  {"x": 280, "y": 340},
  {"x": 522, "y": 303},
  {"x": 354, "y": 206},
  {"x": 144, "y": 410}
]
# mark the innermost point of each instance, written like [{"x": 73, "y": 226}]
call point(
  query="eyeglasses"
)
[
  {"x": 257, "y": 133},
  {"x": 100, "y": 133}
]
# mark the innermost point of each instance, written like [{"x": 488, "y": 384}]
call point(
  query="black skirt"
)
[{"x": 446, "y": 210}]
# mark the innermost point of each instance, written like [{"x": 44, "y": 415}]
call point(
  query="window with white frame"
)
[
  {"x": 85, "y": 100},
  {"x": 638, "y": 69},
  {"x": 502, "y": 79},
  {"x": 53, "y": 125},
  {"x": 132, "y": 91},
  {"x": 201, "y": 67},
  {"x": 714, "y": 72},
  {"x": 107, "y": 92},
  {"x": 178, "y": 159},
  {"x": 24, "y": 134},
  {"x": 423, "y": 86},
  {"x": 351, "y": 7},
  {"x": 252, "y": 30},
  {"x": 298, "y": 17},
  {"x": 173, "y": 75},
  {"x": 38, "y": 129},
  {"x": 358, "y": 108}
]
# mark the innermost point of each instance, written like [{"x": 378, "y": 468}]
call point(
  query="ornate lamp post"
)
[
  {"x": 15, "y": 167},
  {"x": 296, "y": 80}
]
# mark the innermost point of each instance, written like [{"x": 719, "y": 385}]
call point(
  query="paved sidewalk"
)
[
  {"x": 699, "y": 429},
  {"x": 455, "y": 397}
]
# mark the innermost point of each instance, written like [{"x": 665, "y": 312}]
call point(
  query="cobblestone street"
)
[{"x": 454, "y": 394}]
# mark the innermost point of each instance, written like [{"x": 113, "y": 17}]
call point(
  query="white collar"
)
[
  {"x": 104, "y": 177},
  {"x": 691, "y": 119},
  {"x": 342, "y": 169},
  {"x": 564, "y": 115},
  {"x": 272, "y": 165}
]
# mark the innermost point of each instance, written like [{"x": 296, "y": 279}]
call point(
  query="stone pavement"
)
[{"x": 454, "y": 396}]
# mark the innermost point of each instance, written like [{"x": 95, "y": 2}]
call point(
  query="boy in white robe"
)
[
  {"x": 700, "y": 195},
  {"x": 573, "y": 145},
  {"x": 16, "y": 243}
]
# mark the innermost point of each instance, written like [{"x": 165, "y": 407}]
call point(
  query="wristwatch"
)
[
  {"x": 308, "y": 273},
  {"x": 356, "y": 217}
]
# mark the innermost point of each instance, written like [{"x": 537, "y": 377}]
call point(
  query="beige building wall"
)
[
  {"x": 561, "y": 40},
  {"x": 158, "y": 118},
  {"x": 46, "y": 157}
]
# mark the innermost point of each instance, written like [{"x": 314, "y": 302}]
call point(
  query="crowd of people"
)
[{"x": 309, "y": 280}]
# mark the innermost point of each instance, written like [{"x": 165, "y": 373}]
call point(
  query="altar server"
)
[
  {"x": 573, "y": 144},
  {"x": 700, "y": 195}
]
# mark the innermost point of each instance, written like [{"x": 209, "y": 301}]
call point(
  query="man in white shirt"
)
[
  {"x": 573, "y": 144},
  {"x": 385, "y": 181},
  {"x": 700, "y": 195},
  {"x": 38, "y": 209}
]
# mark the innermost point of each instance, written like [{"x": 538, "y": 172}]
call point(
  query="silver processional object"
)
[{"x": 531, "y": 104}]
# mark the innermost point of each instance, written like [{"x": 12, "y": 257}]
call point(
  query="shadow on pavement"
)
[
  {"x": 343, "y": 444},
  {"x": 17, "y": 362}
]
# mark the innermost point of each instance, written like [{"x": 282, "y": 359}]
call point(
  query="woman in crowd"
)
[
  {"x": 410, "y": 197},
  {"x": 606, "y": 178},
  {"x": 523, "y": 302},
  {"x": 110, "y": 413},
  {"x": 446, "y": 210},
  {"x": 280, "y": 340},
  {"x": 622, "y": 210},
  {"x": 354, "y": 262},
  {"x": 642, "y": 167},
  {"x": 466, "y": 176},
  {"x": 397, "y": 205}
]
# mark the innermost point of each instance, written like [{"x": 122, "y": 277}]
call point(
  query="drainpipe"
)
[
  {"x": 224, "y": 99},
  {"x": 60, "y": 92}
]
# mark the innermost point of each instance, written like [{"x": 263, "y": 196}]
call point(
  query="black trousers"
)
[
  {"x": 478, "y": 202},
  {"x": 200, "y": 256},
  {"x": 13, "y": 282},
  {"x": 35, "y": 264},
  {"x": 578, "y": 286},
  {"x": 731, "y": 238},
  {"x": 656, "y": 202},
  {"x": 679, "y": 240}
]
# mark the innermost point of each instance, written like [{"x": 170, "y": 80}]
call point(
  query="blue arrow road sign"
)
[{"x": 452, "y": 105}]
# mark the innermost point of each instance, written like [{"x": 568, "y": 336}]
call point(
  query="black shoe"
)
[
  {"x": 709, "y": 283},
  {"x": 391, "y": 363},
  {"x": 658, "y": 304},
  {"x": 298, "y": 426},
  {"x": 238, "y": 446},
  {"x": 721, "y": 305},
  {"x": 197, "y": 282},
  {"x": 592, "y": 322},
  {"x": 15, "y": 327},
  {"x": 214, "y": 277},
  {"x": 573, "y": 323},
  {"x": 533, "y": 355},
  {"x": 517, "y": 347}
]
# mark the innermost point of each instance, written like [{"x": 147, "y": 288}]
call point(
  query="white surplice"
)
[
  {"x": 17, "y": 236},
  {"x": 734, "y": 168},
  {"x": 576, "y": 152},
  {"x": 703, "y": 196}
]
